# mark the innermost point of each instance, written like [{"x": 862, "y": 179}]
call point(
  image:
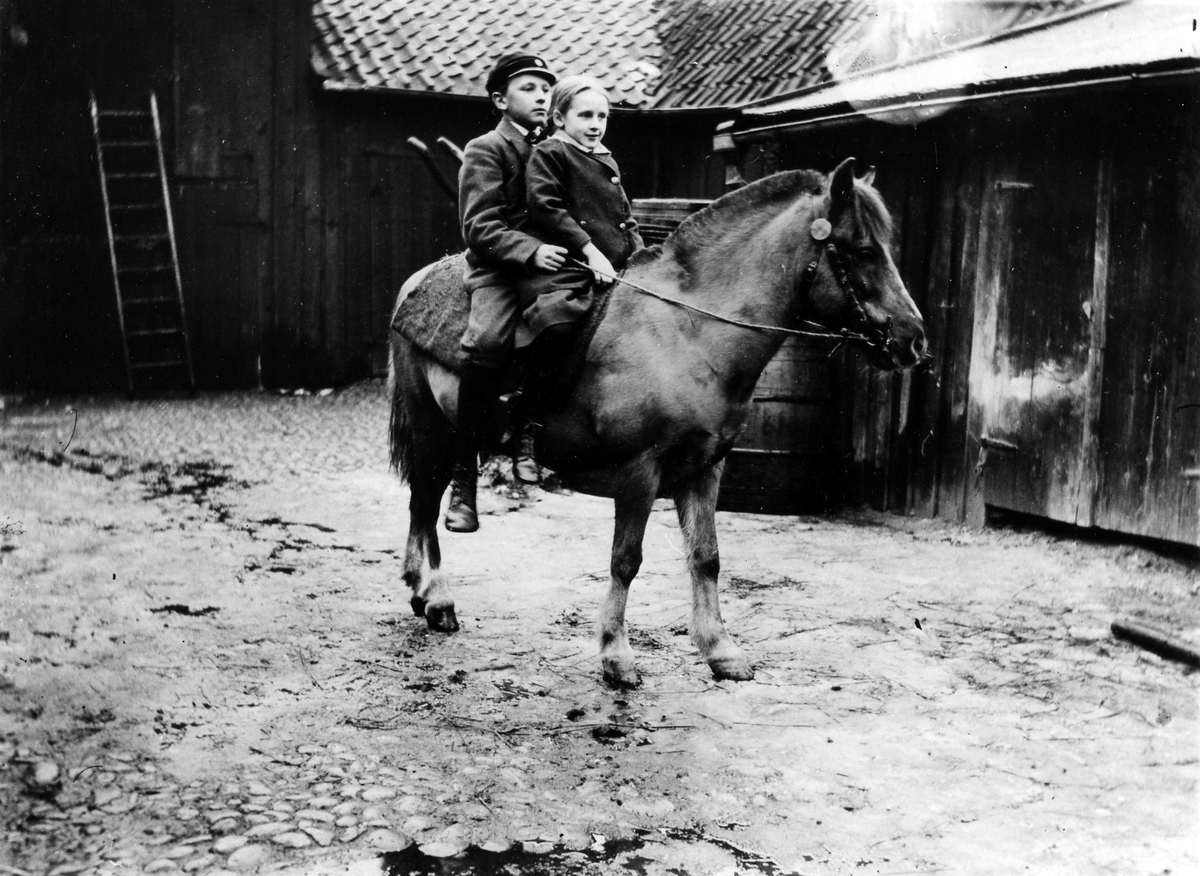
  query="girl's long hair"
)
[{"x": 564, "y": 94}]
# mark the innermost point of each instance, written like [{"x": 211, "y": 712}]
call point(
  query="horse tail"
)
[
  {"x": 400, "y": 425},
  {"x": 400, "y": 428}
]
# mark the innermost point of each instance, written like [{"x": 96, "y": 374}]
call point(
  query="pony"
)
[{"x": 664, "y": 388}]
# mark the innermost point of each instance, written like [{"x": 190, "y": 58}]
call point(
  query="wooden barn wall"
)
[
  {"x": 223, "y": 175},
  {"x": 385, "y": 216},
  {"x": 1148, "y": 477},
  {"x": 667, "y": 155},
  {"x": 1117, "y": 173},
  {"x": 58, "y": 325},
  {"x": 299, "y": 211}
]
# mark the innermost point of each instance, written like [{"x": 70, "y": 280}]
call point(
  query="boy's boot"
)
[
  {"x": 460, "y": 514},
  {"x": 542, "y": 361},
  {"x": 477, "y": 389},
  {"x": 525, "y": 465}
]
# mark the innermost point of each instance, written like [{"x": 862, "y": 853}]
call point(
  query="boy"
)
[{"x": 491, "y": 199}]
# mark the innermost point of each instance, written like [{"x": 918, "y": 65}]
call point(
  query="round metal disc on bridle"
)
[{"x": 821, "y": 229}]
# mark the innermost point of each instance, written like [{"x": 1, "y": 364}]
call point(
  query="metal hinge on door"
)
[{"x": 986, "y": 444}]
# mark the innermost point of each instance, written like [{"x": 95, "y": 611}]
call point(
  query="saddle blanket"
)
[{"x": 434, "y": 314}]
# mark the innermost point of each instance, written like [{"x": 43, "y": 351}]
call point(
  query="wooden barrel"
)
[
  {"x": 658, "y": 217},
  {"x": 787, "y": 460}
]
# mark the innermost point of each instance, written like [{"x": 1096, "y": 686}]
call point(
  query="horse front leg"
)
[
  {"x": 696, "y": 505},
  {"x": 633, "y": 503}
]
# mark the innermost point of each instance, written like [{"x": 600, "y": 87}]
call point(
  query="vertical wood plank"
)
[
  {"x": 992, "y": 251},
  {"x": 1088, "y": 479},
  {"x": 956, "y": 465},
  {"x": 334, "y": 140}
]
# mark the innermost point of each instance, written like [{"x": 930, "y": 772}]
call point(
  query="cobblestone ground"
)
[
  {"x": 208, "y": 665},
  {"x": 314, "y": 795},
  {"x": 260, "y": 435}
]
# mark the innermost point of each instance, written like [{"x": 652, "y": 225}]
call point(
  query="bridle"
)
[{"x": 866, "y": 334}]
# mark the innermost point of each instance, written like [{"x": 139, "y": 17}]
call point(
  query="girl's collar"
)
[{"x": 601, "y": 149}]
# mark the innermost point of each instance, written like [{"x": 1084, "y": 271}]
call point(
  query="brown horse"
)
[{"x": 665, "y": 387}]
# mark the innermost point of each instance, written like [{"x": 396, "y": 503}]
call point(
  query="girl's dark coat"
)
[{"x": 573, "y": 197}]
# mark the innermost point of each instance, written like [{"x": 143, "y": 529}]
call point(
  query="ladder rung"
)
[
  {"x": 124, "y": 237},
  {"x": 173, "y": 363},
  {"x": 147, "y": 269},
  {"x": 132, "y": 175},
  {"x": 124, "y": 208},
  {"x": 129, "y": 302},
  {"x": 141, "y": 114},
  {"x": 104, "y": 144},
  {"x": 145, "y": 333}
]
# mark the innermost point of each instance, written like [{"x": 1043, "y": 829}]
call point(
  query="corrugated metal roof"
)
[
  {"x": 1094, "y": 44},
  {"x": 652, "y": 54}
]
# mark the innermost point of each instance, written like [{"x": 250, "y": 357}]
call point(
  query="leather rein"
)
[{"x": 820, "y": 231}]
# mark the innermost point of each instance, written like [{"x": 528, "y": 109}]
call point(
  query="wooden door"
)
[
  {"x": 222, "y": 157},
  {"x": 1038, "y": 338}
]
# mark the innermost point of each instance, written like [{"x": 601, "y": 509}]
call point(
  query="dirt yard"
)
[{"x": 208, "y": 664}]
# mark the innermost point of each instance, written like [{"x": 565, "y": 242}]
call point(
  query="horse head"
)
[{"x": 853, "y": 281}]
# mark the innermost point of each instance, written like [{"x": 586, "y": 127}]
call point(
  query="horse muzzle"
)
[
  {"x": 895, "y": 346},
  {"x": 906, "y": 349}
]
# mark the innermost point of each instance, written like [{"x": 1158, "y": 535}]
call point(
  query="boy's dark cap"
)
[{"x": 514, "y": 65}]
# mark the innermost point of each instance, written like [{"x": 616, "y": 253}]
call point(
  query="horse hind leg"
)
[
  {"x": 696, "y": 505},
  {"x": 423, "y": 437},
  {"x": 423, "y": 555}
]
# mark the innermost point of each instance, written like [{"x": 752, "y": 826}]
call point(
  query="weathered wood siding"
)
[
  {"x": 1148, "y": 478},
  {"x": 58, "y": 325},
  {"x": 1053, "y": 246},
  {"x": 298, "y": 211}
]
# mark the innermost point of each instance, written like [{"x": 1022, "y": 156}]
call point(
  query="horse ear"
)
[
  {"x": 869, "y": 176},
  {"x": 841, "y": 187}
]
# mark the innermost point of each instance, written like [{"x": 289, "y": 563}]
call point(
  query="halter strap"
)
[{"x": 867, "y": 334}]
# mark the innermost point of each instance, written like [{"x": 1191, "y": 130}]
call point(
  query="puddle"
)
[
  {"x": 676, "y": 852},
  {"x": 188, "y": 611}
]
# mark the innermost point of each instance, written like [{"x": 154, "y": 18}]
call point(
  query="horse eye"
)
[{"x": 866, "y": 253}]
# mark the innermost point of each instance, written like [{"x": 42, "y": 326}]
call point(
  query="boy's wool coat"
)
[{"x": 491, "y": 186}]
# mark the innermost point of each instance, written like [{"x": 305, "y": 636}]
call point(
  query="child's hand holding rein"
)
[
  {"x": 602, "y": 269},
  {"x": 548, "y": 257}
]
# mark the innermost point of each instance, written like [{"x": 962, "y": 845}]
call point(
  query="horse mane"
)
[
  {"x": 645, "y": 256},
  {"x": 697, "y": 231}
]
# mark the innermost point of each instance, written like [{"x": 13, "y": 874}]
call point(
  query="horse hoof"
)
[
  {"x": 418, "y": 606},
  {"x": 441, "y": 619},
  {"x": 621, "y": 675},
  {"x": 731, "y": 669}
]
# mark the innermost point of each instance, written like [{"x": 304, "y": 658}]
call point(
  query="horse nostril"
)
[{"x": 919, "y": 346}]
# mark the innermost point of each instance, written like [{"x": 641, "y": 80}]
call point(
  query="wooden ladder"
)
[{"x": 141, "y": 248}]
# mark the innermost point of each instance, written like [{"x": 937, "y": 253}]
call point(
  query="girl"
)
[{"x": 575, "y": 200}]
